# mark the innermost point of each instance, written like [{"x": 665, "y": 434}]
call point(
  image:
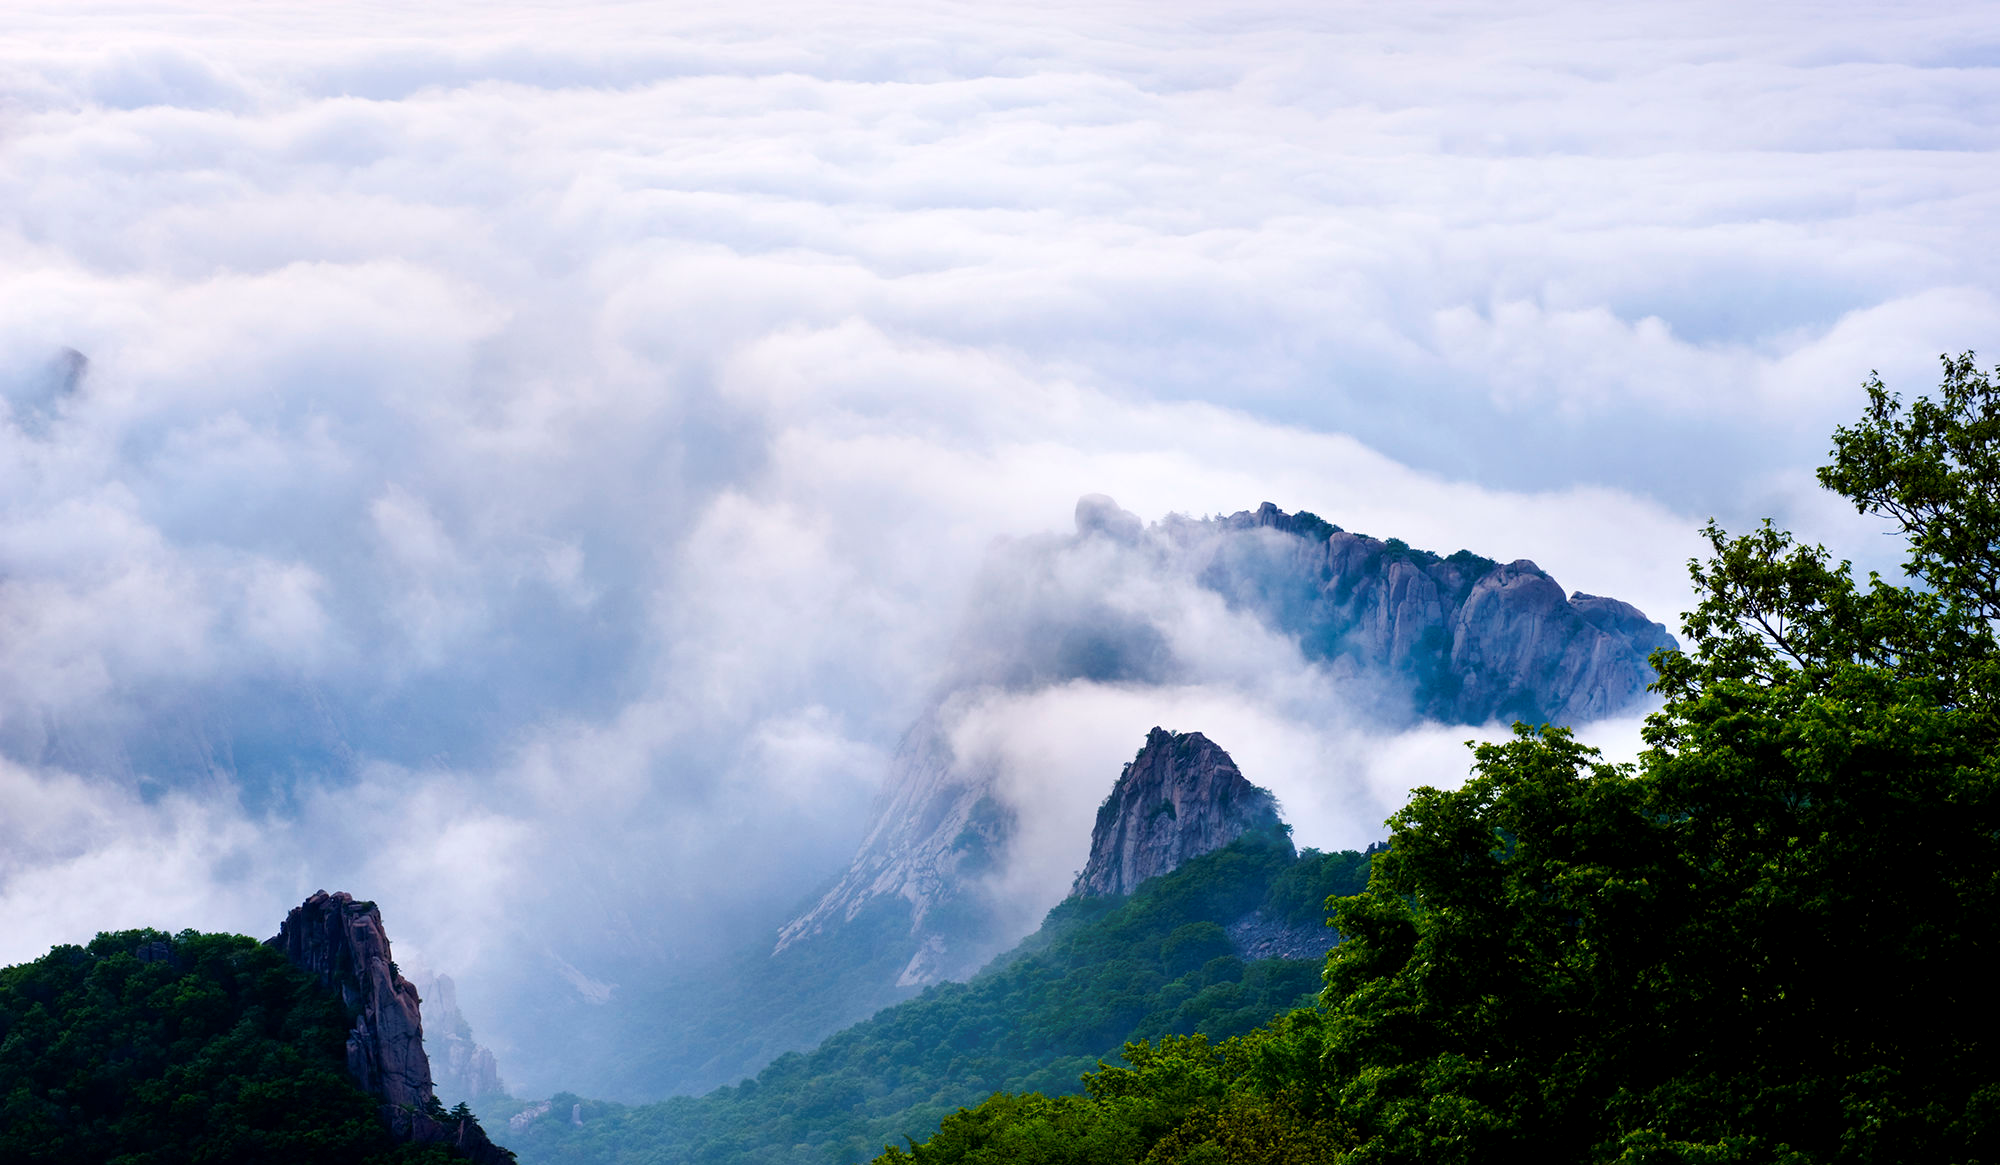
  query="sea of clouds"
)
[{"x": 532, "y": 461}]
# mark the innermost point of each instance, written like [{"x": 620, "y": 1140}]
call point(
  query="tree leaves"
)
[{"x": 201, "y": 1047}]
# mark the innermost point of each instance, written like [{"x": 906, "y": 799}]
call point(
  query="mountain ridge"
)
[{"x": 1457, "y": 639}]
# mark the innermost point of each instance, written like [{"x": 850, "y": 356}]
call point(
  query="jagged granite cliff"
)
[
  {"x": 1414, "y": 637},
  {"x": 1465, "y": 639},
  {"x": 1179, "y": 798},
  {"x": 342, "y": 943}
]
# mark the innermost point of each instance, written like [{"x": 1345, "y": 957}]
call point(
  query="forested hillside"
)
[
  {"x": 1100, "y": 972},
  {"x": 145, "y": 1048}
]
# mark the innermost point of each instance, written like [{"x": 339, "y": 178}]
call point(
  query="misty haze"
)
[{"x": 848, "y": 581}]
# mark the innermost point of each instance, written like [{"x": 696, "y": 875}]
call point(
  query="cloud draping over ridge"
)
[{"x": 537, "y": 460}]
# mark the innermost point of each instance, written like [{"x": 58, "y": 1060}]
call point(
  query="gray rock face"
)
[
  {"x": 462, "y": 1070},
  {"x": 1256, "y": 937},
  {"x": 1181, "y": 797},
  {"x": 342, "y": 943},
  {"x": 935, "y": 829},
  {"x": 1466, "y": 639}
]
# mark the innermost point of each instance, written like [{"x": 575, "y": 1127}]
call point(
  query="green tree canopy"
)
[
  {"x": 1772, "y": 941},
  {"x": 145, "y": 1048}
]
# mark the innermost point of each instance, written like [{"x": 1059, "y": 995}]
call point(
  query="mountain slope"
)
[
  {"x": 1100, "y": 971},
  {"x": 1215, "y": 886},
  {"x": 1458, "y": 639},
  {"x": 343, "y": 945}
]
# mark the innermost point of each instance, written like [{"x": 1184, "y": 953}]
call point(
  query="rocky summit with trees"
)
[{"x": 1773, "y": 939}]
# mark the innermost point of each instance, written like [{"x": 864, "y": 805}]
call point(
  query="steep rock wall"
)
[
  {"x": 342, "y": 942},
  {"x": 461, "y": 1068},
  {"x": 1461, "y": 638},
  {"x": 1179, "y": 798},
  {"x": 935, "y": 828}
]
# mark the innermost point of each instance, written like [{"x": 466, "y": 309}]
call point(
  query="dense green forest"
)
[
  {"x": 1771, "y": 940},
  {"x": 1100, "y": 972},
  {"x": 145, "y": 1048}
]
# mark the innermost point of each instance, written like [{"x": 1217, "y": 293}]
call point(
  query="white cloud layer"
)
[{"x": 534, "y": 458}]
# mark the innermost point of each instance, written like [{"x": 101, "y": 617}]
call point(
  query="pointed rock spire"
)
[
  {"x": 342, "y": 943},
  {"x": 1181, "y": 797}
]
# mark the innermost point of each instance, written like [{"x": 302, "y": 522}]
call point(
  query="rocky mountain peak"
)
[
  {"x": 343, "y": 943},
  {"x": 1411, "y": 636},
  {"x": 1181, "y": 797},
  {"x": 1463, "y": 638}
]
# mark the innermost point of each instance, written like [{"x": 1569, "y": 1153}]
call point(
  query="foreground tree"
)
[{"x": 1774, "y": 940}]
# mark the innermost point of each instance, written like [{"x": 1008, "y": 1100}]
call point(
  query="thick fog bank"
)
[{"x": 529, "y": 466}]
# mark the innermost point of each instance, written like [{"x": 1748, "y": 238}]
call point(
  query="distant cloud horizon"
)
[{"x": 508, "y": 456}]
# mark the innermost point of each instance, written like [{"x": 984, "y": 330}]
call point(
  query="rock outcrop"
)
[
  {"x": 461, "y": 1069},
  {"x": 1181, "y": 797},
  {"x": 342, "y": 943},
  {"x": 935, "y": 829},
  {"x": 1463, "y": 638},
  {"x": 1254, "y": 936}
]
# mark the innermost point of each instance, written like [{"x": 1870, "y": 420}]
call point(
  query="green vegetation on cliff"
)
[
  {"x": 145, "y": 1048},
  {"x": 1100, "y": 972}
]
